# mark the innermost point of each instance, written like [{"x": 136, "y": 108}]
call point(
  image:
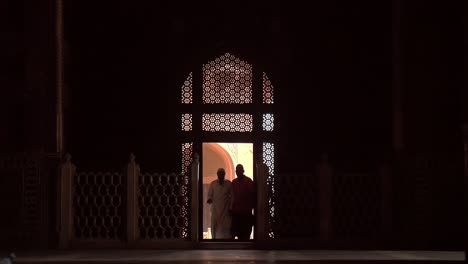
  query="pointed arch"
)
[{"x": 227, "y": 99}]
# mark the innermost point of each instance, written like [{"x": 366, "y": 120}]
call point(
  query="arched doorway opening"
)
[{"x": 226, "y": 156}]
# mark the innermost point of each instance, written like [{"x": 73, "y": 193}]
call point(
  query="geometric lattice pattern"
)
[
  {"x": 267, "y": 90},
  {"x": 296, "y": 201},
  {"x": 268, "y": 151},
  {"x": 186, "y": 122},
  {"x": 269, "y": 156},
  {"x": 227, "y": 80},
  {"x": 268, "y": 122},
  {"x": 97, "y": 206},
  {"x": 187, "y": 90},
  {"x": 187, "y": 157},
  {"x": 163, "y": 206},
  {"x": 227, "y": 122},
  {"x": 355, "y": 205}
]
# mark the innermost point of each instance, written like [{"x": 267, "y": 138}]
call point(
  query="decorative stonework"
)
[
  {"x": 163, "y": 207},
  {"x": 227, "y": 80}
]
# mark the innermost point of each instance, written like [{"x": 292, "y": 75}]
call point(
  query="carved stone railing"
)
[
  {"x": 135, "y": 209},
  {"x": 162, "y": 206},
  {"x": 126, "y": 209},
  {"x": 296, "y": 207},
  {"x": 356, "y": 206},
  {"x": 329, "y": 206},
  {"x": 139, "y": 209},
  {"x": 98, "y": 206}
]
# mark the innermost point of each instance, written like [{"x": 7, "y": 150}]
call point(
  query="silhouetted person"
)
[
  {"x": 243, "y": 204},
  {"x": 220, "y": 198}
]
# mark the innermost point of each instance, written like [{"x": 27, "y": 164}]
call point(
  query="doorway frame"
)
[
  {"x": 201, "y": 202},
  {"x": 261, "y": 109}
]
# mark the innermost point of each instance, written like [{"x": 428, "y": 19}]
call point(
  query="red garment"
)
[{"x": 243, "y": 195}]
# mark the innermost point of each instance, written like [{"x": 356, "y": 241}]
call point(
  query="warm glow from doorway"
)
[
  {"x": 241, "y": 153},
  {"x": 227, "y": 156}
]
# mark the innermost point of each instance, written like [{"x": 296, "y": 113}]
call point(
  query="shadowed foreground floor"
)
[{"x": 237, "y": 256}]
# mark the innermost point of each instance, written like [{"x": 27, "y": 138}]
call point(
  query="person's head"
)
[
  {"x": 240, "y": 170},
  {"x": 221, "y": 174}
]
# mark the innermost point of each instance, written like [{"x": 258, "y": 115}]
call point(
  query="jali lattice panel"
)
[
  {"x": 297, "y": 206},
  {"x": 356, "y": 205},
  {"x": 163, "y": 206},
  {"x": 98, "y": 206}
]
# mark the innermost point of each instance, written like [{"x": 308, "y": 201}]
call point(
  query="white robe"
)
[{"x": 221, "y": 195}]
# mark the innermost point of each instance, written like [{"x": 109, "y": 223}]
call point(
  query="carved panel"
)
[
  {"x": 163, "y": 206},
  {"x": 187, "y": 97},
  {"x": 296, "y": 204},
  {"x": 97, "y": 205},
  {"x": 356, "y": 205},
  {"x": 227, "y": 80},
  {"x": 187, "y": 156},
  {"x": 268, "y": 150},
  {"x": 268, "y": 122},
  {"x": 227, "y": 122},
  {"x": 186, "y": 122},
  {"x": 267, "y": 90}
]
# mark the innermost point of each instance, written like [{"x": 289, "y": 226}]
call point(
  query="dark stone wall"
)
[
  {"x": 27, "y": 128},
  {"x": 12, "y": 75},
  {"x": 331, "y": 70},
  {"x": 332, "y": 65},
  {"x": 430, "y": 78}
]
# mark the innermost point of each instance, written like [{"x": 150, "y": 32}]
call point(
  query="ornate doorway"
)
[{"x": 228, "y": 100}]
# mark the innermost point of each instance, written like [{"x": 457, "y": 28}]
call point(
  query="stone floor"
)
[{"x": 237, "y": 256}]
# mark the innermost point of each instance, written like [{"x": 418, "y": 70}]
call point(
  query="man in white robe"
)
[{"x": 220, "y": 198}]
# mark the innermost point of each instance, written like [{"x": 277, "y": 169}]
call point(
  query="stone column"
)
[
  {"x": 133, "y": 172},
  {"x": 195, "y": 169},
  {"x": 59, "y": 43},
  {"x": 325, "y": 179},
  {"x": 465, "y": 144},
  {"x": 65, "y": 202}
]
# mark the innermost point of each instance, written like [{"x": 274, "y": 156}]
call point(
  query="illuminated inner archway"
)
[{"x": 226, "y": 156}]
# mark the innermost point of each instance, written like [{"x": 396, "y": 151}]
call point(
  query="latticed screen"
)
[
  {"x": 296, "y": 193},
  {"x": 268, "y": 150},
  {"x": 268, "y": 122},
  {"x": 355, "y": 203},
  {"x": 269, "y": 156},
  {"x": 267, "y": 90},
  {"x": 187, "y": 154},
  {"x": 227, "y": 122},
  {"x": 227, "y": 80},
  {"x": 98, "y": 206},
  {"x": 187, "y": 90},
  {"x": 163, "y": 203},
  {"x": 186, "y": 122}
]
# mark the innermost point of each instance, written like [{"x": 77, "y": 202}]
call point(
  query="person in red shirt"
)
[{"x": 242, "y": 205}]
